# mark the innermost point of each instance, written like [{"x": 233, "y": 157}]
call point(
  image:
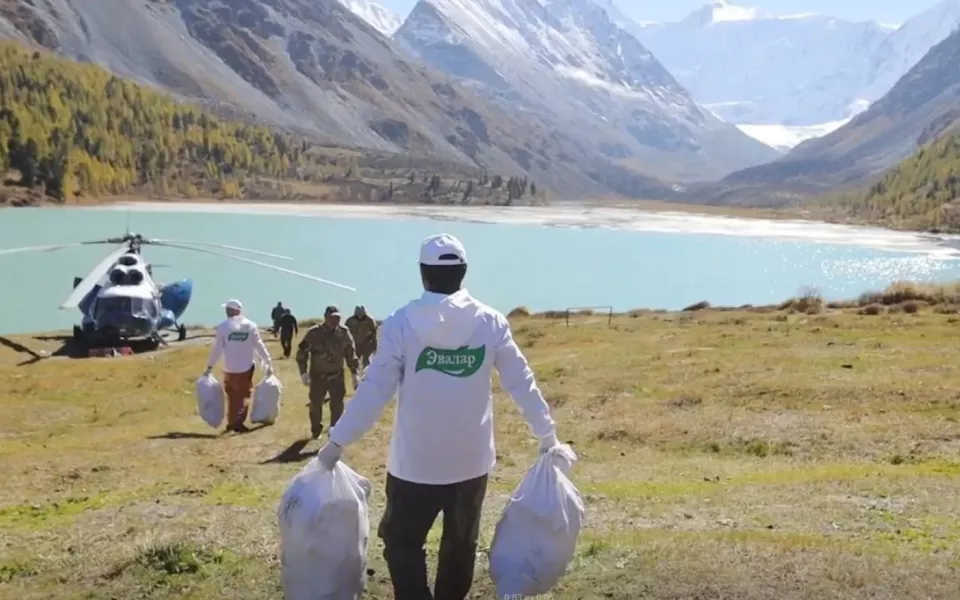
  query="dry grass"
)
[
  {"x": 738, "y": 455},
  {"x": 903, "y": 292},
  {"x": 519, "y": 312},
  {"x": 809, "y": 302}
]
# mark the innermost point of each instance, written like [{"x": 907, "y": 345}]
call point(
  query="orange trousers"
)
[{"x": 238, "y": 388}]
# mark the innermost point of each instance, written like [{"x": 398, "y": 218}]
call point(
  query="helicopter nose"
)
[{"x": 126, "y": 325}]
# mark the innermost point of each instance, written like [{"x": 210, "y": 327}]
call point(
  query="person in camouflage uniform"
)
[
  {"x": 364, "y": 330},
  {"x": 320, "y": 357}
]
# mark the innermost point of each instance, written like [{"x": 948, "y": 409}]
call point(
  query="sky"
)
[{"x": 892, "y": 12}]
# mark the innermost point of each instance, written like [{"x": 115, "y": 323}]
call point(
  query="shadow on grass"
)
[
  {"x": 184, "y": 435},
  {"x": 71, "y": 348},
  {"x": 293, "y": 453},
  {"x": 190, "y": 435},
  {"x": 67, "y": 349}
]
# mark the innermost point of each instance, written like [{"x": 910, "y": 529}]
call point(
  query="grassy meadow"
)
[{"x": 793, "y": 452}]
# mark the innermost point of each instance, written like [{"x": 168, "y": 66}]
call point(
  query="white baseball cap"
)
[
  {"x": 233, "y": 305},
  {"x": 441, "y": 250}
]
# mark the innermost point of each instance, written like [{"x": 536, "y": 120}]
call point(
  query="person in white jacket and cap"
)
[
  {"x": 237, "y": 340},
  {"x": 440, "y": 350}
]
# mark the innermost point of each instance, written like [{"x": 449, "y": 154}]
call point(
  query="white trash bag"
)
[
  {"x": 266, "y": 401},
  {"x": 210, "y": 400},
  {"x": 324, "y": 527},
  {"x": 536, "y": 535}
]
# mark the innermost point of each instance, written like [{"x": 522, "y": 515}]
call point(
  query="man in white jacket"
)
[
  {"x": 238, "y": 338},
  {"x": 440, "y": 350}
]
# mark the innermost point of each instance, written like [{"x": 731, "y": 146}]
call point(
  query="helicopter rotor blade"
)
[
  {"x": 50, "y": 248},
  {"x": 222, "y": 246},
  {"x": 261, "y": 264},
  {"x": 83, "y": 288}
]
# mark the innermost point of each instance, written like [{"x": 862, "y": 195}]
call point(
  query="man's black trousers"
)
[
  {"x": 411, "y": 511},
  {"x": 286, "y": 342}
]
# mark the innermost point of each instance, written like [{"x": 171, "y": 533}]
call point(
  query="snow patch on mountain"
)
[
  {"x": 784, "y": 137},
  {"x": 720, "y": 11},
  {"x": 375, "y": 15}
]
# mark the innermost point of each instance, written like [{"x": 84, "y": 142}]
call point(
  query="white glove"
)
[
  {"x": 305, "y": 378},
  {"x": 355, "y": 379},
  {"x": 329, "y": 455},
  {"x": 548, "y": 442},
  {"x": 207, "y": 371}
]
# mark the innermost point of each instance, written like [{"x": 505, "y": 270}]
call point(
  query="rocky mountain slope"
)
[
  {"x": 921, "y": 192},
  {"x": 376, "y": 15},
  {"x": 565, "y": 65},
  {"x": 311, "y": 66},
  {"x": 751, "y": 67},
  {"x": 922, "y": 106}
]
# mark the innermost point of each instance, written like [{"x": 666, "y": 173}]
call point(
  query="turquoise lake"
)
[{"x": 551, "y": 258}]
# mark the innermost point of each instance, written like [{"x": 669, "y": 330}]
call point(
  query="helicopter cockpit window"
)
[
  {"x": 107, "y": 306},
  {"x": 136, "y": 307},
  {"x": 149, "y": 308}
]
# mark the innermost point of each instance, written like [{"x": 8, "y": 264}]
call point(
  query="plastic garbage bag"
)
[
  {"x": 536, "y": 535},
  {"x": 210, "y": 400},
  {"x": 266, "y": 401},
  {"x": 324, "y": 527}
]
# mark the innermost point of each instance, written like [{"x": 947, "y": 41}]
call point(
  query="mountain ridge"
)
[
  {"x": 565, "y": 62},
  {"x": 921, "y": 192},
  {"x": 376, "y": 15},
  {"x": 314, "y": 68}
]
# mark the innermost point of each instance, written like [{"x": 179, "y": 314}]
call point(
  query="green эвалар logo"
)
[{"x": 462, "y": 362}]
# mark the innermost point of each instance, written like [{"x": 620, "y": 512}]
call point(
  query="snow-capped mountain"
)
[
  {"x": 863, "y": 79},
  {"x": 747, "y": 65},
  {"x": 906, "y": 46},
  {"x": 376, "y": 15},
  {"x": 566, "y": 64},
  {"x": 922, "y": 106}
]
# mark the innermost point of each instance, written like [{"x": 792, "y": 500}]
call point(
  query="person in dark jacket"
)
[
  {"x": 287, "y": 324},
  {"x": 363, "y": 328},
  {"x": 275, "y": 315}
]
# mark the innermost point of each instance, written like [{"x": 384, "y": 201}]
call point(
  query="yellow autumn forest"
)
[{"x": 72, "y": 128}]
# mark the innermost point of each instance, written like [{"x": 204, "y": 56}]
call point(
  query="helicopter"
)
[{"x": 120, "y": 300}]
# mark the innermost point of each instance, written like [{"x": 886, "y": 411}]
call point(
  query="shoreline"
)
[
  {"x": 648, "y": 218},
  {"x": 943, "y": 297},
  {"x": 645, "y": 206},
  {"x": 478, "y": 213}
]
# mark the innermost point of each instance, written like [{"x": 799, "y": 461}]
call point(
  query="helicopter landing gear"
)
[
  {"x": 181, "y": 333},
  {"x": 155, "y": 341}
]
